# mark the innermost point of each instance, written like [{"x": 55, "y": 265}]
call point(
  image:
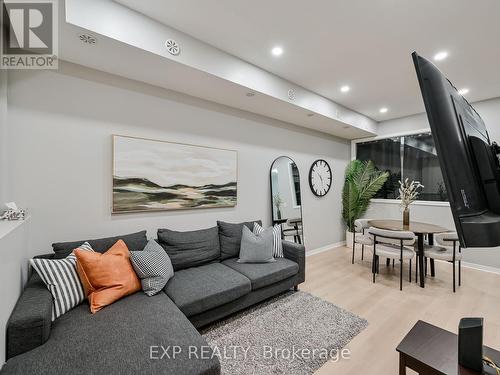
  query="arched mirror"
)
[{"x": 286, "y": 201}]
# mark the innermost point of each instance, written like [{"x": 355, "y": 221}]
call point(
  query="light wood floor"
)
[{"x": 391, "y": 313}]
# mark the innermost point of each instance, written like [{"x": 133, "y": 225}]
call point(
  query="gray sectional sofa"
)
[{"x": 136, "y": 335}]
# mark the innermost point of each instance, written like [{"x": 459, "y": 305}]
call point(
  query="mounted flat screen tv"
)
[{"x": 469, "y": 161}]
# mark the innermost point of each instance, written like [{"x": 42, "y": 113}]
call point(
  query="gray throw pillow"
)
[
  {"x": 230, "y": 237},
  {"x": 256, "y": 248},
  {"x": 153, "y": 267}
]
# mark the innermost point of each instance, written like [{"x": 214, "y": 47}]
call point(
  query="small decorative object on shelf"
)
[
  {"x": 408, "y": 193},
  {"x": 13, "y": 212}
]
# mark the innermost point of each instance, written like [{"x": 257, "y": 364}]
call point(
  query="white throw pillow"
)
[{"x": 277, "y": 243}]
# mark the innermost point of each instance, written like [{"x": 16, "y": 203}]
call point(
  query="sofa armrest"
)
[
  {"x": 297, "y": 253},
  {"x": 29, "y": 324}
]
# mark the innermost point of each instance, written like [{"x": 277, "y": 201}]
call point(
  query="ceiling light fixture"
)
[
  {"x": 440, "y": 56},
  {"x": 345, "y": 88},
  {"x": 383, "y": 110},
  {"x": 277, "y": 51},
  {"x": 172, "y": 47},
  {"x": 463, "y": 91}
]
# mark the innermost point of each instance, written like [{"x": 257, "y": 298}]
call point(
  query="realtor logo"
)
[{"x": 29, "y": 34}]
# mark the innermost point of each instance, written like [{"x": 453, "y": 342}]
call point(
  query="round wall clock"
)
[{"x": 320, "y": 178}]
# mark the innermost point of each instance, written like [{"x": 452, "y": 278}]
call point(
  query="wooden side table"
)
[{"x": 430, "y": 350}]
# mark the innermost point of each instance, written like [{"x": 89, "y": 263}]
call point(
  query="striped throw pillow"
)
[
  {"x": 277, "y": 243},
  {"x": 61, "y": 279}
]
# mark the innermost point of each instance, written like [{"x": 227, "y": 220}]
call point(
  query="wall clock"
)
[{"x": 320, "y": 178}]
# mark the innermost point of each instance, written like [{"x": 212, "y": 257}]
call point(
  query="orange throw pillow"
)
[{"x": 107, "y": 277}]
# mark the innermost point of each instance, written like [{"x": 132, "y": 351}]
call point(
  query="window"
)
[
  {"x": 385, "y": 154},
  {"x": 296, "y": 184},
  {"x": 411, "y": 156}
]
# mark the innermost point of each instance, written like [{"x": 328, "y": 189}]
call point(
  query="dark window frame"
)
[{"x": 402, "y": 140}]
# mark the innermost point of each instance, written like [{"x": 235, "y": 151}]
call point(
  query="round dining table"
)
[{"x": 421, "y": 230}]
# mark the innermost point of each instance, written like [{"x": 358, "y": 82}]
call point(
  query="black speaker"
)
[{"x": 470, "y": 343}]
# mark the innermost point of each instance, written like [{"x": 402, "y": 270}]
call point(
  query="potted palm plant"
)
[{"x": 362, "y": 181}]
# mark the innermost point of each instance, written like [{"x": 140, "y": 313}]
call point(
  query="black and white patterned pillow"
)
[
  {"x": 277, "y": 243},
  {"x": 62, "y": 280},
  {"x": 153, "y": 266}
]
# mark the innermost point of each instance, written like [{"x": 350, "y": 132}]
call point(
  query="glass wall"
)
[
  {"x": 411, "y": 156},
  {"x": 385, "y": 154}
]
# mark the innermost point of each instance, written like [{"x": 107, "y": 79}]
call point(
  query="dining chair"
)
[
  {"x": 449, "y": 250},
  {"x": 360, "y": 226},
  {"x": 294, "y": 230},
  {"x": 392, "y": 245}
]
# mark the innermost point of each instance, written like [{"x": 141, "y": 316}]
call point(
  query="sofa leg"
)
[{"x": 296, "y": 288}]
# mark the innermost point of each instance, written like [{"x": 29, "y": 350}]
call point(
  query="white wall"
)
[
  {"x": 14, "y": 237},
  {"x": 3, "y": 136},
  {"x": 441, "y": 215},
  {"x": 60, "y": 126}
]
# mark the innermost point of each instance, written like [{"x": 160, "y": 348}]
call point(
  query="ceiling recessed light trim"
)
[
  {"x": 383, "y": 110},
  {"x": 463, "y": 91},
  {"x": 277, "y": 51},
  {"x": 440, "y": 56},
  {"x": 345, "y": 88}
]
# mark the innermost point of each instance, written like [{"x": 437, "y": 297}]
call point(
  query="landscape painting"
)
[{"x": 153, "y": 175}]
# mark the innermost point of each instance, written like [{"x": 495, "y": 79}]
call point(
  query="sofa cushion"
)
[
  {"x": 264, "y": 274},
  {"x": 30, "y": 322},
  {"x": 230, "y": 237},
  {"x": 190, "y": 249},
  {"x": 199, "y": 289},
  {"x": 125, "y": 338},
  {"x": 134, "y": 241}
]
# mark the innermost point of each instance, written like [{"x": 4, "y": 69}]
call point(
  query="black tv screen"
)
[{"x": 468, "y": 159}]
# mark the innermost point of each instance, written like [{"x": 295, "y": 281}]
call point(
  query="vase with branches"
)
[
  {"x": 408, "y": 193},
  {"x": 278, "y": 202},
  {"x": 361, "y": 182}
]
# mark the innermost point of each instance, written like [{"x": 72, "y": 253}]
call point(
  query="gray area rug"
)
[{"x": 295, "y": 334}]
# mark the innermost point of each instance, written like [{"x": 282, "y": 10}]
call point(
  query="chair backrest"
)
[
  {"x": 392, "y": 237},
  {"x": 446, "y": 239},
  {"x": 360, "y": 224}
]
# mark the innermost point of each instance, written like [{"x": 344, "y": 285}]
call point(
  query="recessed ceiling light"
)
[
  {"x": 441, "y": 56},
  {"x": 345, "y": 88},
  {"x": 277, "y": 51},
  {"x": 383, "y": 110},
  {"x": 463, "y": 91}
]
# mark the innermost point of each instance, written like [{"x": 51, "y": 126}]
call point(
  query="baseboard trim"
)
[
  {"x": 322, "y": 249},
  {"x": 481, "y": 267}
]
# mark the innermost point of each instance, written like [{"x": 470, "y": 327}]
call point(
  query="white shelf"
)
[{"x": 7, "y": 227}]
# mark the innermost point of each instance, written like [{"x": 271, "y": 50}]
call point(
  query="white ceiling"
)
[{"x": 365, "y": 44}]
